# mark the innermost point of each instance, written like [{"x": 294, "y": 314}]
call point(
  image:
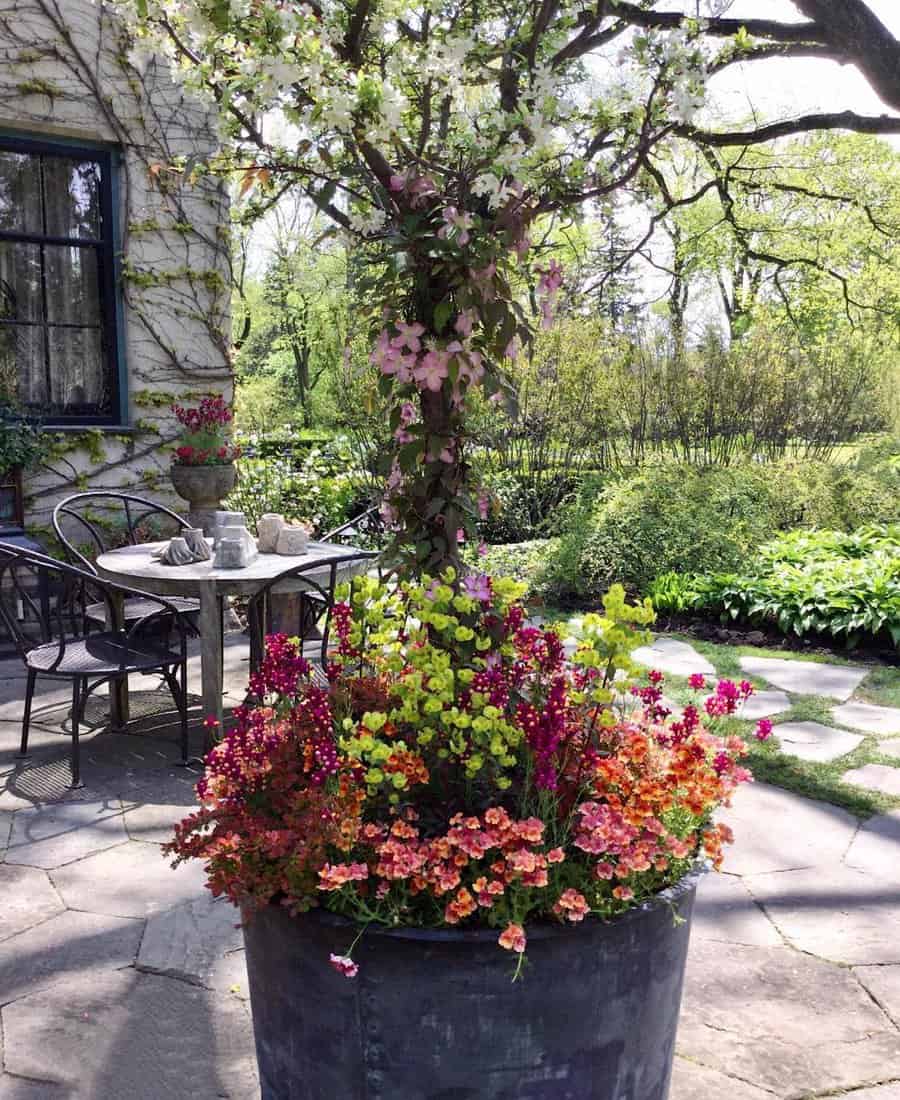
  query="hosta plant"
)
[{"x": 459, "y": 768}]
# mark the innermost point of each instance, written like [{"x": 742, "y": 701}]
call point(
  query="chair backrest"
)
[
  {"x": 89, "y": 524},
  {"x": 368, "y": 527},
  {"x": 314, "y": 583},
  {"x": 43, "y": 600}
]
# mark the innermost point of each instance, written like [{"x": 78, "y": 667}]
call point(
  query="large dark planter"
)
[
  {"x": 204, "y": 487},
  {"x": 435, "y": 1016}
]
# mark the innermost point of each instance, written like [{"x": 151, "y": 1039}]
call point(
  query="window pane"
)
[
  {"x": 73, "y": 292},
  {"x": 20, "y": 194},
  {"x": 72, "y": 197},
  {"x": 23, "y": 371},
  {"x": 20, "y": 282},
  {"x": 78, "y": 373}
]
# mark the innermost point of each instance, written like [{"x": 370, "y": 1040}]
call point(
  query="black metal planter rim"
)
[{"x": 541, "y": 930}]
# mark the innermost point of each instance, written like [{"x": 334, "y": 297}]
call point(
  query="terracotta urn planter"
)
[{"x": 204, "y": 488}]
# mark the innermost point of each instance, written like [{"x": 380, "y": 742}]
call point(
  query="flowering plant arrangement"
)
[
  {"x": 204, "y": 441},
  {"x": 459, "y": 767}
]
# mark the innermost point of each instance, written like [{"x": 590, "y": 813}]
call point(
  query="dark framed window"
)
[{"x": 59, "y": 353}]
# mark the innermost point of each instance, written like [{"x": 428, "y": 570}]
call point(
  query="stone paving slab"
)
[
  {"x": 133, "y": 1035},
  {"x": 18, "y": 1088},
  {"x": 890, "y": 747},
  {"x": 763, "y": 704},
  {"x": 806, "y": 677},
  {"x": 776, "y": 830},
  {"x": 80, "y": 945},
  {"x": 133, "y": 880},
  {"x": 783, "y": 1021},
  {"x": 676, "y": 658},
  {"x": 691, "y": 1081},
  {"x": 50, "y": 836},
  {"x": 187, "y": 941},
  {"x": 883, "y": 721},
  {"x": 883, "y": 982},
  {"x": 27, "y": 898},
  {"x": 815, "y": 742},
  {"x": 876, "y": 847},
  {"x": 725, "y": 912},
  {"x": 6, "y": 821},
  {"x": 836, "y": 913},
  {"x": 875, "y": 777}
]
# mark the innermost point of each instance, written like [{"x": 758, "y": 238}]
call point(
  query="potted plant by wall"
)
[
  {"x": 203, "y": 470},
  {"x": 467, "y": 865},
  {"x": 21, "y": 445}
]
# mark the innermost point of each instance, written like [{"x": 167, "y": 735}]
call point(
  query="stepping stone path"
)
[
  {"x": 890, "y": 748},
  {"x": 676, "y": 658},
  {"x": 806, "y": 677},
  {"x": 882, "y": 721},
  {"x": 763, "y": 704},
  {"x": 875, "y": 777},
  {"x": 813, "y": 741}
]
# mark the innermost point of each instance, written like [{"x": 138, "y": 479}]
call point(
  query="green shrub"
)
[
  {"x": 686, "y": 519},
  {"x": 522, "y": 561},
  {"x": 828, "y": 582},
  {"x": 526, "y": 506},
  {"x": 299, "y": 493}
]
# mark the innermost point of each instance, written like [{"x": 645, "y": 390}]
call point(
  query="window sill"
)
[{"x": 79, "y": 429}]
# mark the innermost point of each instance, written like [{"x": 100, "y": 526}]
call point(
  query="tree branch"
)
[{"x": 838, "y": 120}]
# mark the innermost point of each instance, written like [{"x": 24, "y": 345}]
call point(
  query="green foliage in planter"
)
[
  {"x": 829, "y": 582},
  {"x": 21, "y": 443}
]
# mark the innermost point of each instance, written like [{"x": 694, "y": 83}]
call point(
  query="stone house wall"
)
[{"x": 68, "y": 70}]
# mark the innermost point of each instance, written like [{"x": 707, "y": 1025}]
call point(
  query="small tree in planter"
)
[{"x": 459, "y": 773}]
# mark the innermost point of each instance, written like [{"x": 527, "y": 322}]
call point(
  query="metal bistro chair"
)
[
  {"x": 77, "y": 523},
  {"x": 56, "y": 638},
  {"x": 316, "y": 598}
]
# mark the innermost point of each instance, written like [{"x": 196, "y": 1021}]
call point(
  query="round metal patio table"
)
[{"x": 135, "y": 565}]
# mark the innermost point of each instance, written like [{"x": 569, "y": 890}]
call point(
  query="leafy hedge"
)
[
  {"x": 685, "y": 519},
  {"x": 831, "y": 582},
  {"x": 307, "y": 492}
]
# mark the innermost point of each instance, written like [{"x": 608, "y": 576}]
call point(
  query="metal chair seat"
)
[
  {"x": 138, "y": 608},
  {"x": 100, "y": 655}
]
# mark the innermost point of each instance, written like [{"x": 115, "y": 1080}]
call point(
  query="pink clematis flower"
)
[{"x": 431, "y": 371}]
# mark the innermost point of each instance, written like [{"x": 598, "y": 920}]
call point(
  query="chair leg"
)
[
  {"x": 83, "y": 698},
  {"x": 76, "y": 748},
  {"x": 26, "y": 717},
  {"x": 179, "y": 696}
]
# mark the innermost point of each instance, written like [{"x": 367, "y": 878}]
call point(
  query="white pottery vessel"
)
[
  {"x": 268, "y": 529},
  {"x": 292, "y": 542}
]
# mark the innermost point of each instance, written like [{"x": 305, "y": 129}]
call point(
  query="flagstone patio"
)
[{"x": 122, "y": 978}]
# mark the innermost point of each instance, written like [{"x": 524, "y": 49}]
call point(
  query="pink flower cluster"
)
[
  {"x": 211, "y": 415},
  {"x": 401, "y": 354},
  {"x": 548, "y": 288}
]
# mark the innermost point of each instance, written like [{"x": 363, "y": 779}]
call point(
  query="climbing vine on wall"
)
[{"x": 67, "y": 67}]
